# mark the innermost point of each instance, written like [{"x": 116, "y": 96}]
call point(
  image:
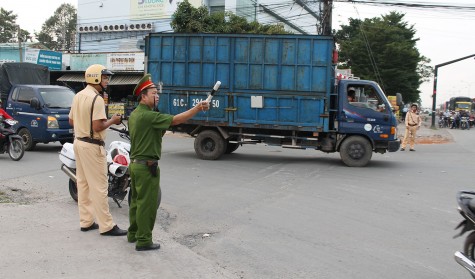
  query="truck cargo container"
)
[{"x": 275, "y": 89}]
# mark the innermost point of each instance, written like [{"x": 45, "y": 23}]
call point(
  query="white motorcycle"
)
[{"x": 118, "y": 161}]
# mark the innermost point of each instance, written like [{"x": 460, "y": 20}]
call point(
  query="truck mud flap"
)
[{"x": 393, "y": 146}]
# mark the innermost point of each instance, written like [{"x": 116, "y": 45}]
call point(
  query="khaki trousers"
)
[
  {"x": 91, "y": 177},
  {"x": 411, "y": 134}
]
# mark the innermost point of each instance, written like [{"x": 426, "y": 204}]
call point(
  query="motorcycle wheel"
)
[
  {"x": 469, "y": 247},
  {"x": 129, "y": 199},
  {"x": 16, "y": 149},
  {"x": 73, "y": 190}
]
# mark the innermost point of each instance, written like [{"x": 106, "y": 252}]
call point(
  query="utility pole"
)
[
  {"x": 326, "y": 17},
  {"x": 19, "y": 43},
  {"x": 434, "y": 93}
]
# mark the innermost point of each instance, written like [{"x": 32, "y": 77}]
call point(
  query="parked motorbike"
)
[
  {"x": 466, "y": 207},
  {"x": 10, "y": 141},
  {"x": 464, "y": 123},
  {"x": 444, "y": 122},
  {"x": 118, "y": 161}
]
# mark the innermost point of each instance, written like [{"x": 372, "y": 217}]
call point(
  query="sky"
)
[{"x": 445, "y": 35}]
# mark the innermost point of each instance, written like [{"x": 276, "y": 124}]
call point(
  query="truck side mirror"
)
[{"x": 35, "y": 103}]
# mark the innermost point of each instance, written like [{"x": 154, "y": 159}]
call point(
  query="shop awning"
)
[{"x": 117, "y": 79}]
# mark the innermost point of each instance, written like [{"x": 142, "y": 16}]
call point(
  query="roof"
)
[{"x": 117, "y": 79}]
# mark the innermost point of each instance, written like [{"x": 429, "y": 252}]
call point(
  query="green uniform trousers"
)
[{"x": 144, "y": 204}]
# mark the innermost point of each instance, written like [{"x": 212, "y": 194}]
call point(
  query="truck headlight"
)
[{"x": 52, "y": 123}]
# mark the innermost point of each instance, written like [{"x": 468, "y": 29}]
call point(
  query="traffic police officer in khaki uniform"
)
[
  {"x": 413, "y": 123},
  {"x": 88, "y": 116},
  {"x": 147, "y": 127}
]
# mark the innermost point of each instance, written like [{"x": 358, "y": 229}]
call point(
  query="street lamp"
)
[{"x": 435, "y": 85}]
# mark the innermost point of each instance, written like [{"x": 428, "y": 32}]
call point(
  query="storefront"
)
[{"x": 119, "y": 97}]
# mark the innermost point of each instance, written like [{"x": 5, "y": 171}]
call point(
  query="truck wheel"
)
[
  {"x": 27, "y": 139},
  {"x": 209, "y": 145},
  {"x": 231, "y": 147},
  {"x": 356, "y": 151}
]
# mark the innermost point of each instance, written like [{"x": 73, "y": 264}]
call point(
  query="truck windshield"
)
[
  {"x": 367, "y": 96},
  {"x": 464, "y": 106},
  {"x": 57, "y": 97}
]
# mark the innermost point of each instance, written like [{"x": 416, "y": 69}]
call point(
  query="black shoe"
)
[
  {"x": 94, "y": 226},
  {"x": 153, "y": 246},
  {"x": 402, "y": 149},
  {"x": 412, "y": 149},
  {"x": 115, "y": 231}
]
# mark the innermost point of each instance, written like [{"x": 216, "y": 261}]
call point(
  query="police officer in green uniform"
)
[{"x": 147, "y": 127}]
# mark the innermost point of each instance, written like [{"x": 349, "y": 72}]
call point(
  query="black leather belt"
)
[
  {"x": 412, "y": 125},
  {"x": 93, "y": 141},
  {"x": 144, "y": 162}
]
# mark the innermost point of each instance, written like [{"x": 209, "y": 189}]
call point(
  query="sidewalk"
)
[
  {"x": 426, "y": 135},
  {"x": 42, "y": 240}
]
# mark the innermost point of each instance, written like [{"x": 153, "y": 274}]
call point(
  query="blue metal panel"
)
[
  {"x": 293, "y": 74},
  {"x": 174, "y": 102},
  {"x": 280, "y": 110}
]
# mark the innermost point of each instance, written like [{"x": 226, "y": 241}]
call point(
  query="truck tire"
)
[
  {"x": 356, "y": 151},
  {"x": 209, "y": 145},
  {"x": 27, "y": 139}
]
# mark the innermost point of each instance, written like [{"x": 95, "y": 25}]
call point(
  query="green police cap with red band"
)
[{"x": 144, "y": 83}]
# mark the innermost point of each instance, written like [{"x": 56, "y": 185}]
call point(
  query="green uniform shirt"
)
[{"x": 146, "y": 129}]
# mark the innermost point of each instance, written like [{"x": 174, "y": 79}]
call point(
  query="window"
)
[
  {"x": 365, "y": 97},
  {"x": 25, "y": 95},
  {"x": 57, "y": 97}
]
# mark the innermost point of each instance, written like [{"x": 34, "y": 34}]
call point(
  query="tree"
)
[
  {"x": 9, "y": 28},
  {"x": 384, "y": 49},
  {"x": 188, "y": 19},
  {"x": 59, "y": 31}
]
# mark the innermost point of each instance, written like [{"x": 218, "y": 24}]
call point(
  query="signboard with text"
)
[
  {"x": 48, "y": 58},
  {"x": 125, "y": 61},
  {"x": 155, "y": 9}
]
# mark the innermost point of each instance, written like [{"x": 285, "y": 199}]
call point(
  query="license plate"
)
[{"x": 71, "y": 131}]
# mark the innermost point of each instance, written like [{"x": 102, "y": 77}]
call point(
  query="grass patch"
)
[{"x": 4, "y": 198}]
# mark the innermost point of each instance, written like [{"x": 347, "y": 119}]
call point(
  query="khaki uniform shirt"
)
[
  {"x": 413, "y": 119},
  {"x": 146, "y": 128},
  {"x": 81, "y": 113}
]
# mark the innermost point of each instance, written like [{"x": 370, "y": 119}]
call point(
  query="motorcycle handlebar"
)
[{"x": 124, "y": 131}]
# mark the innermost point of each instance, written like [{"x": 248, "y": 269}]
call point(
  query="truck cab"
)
[
  {"x": 367, "y": 112},
  {"x": 42, "y": 112}
]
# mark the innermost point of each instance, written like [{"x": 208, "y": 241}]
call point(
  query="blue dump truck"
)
[
  {"x": 42, "y": 110},
  {"x": 278, "y": 90}
]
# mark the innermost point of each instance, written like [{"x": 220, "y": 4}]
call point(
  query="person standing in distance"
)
[
  {"x": 413, "y": 122},
  {"x": 88, "y": 117},
  {"x": 147, "y": 127}
]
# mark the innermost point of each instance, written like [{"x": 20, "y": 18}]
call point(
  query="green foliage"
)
[
  {"x": 9, "y": 28},
  {"x": 59, "y": 31},
  {"x": 391, "y": 44},
  {"x": 188, "y": 19}
]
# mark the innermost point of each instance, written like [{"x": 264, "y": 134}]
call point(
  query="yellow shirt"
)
[
  {"x": 81, "y": 113},
  {"x": 413, "y": 119}
]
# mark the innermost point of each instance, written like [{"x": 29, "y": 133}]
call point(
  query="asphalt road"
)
[{"x": 261, "y": 212}]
